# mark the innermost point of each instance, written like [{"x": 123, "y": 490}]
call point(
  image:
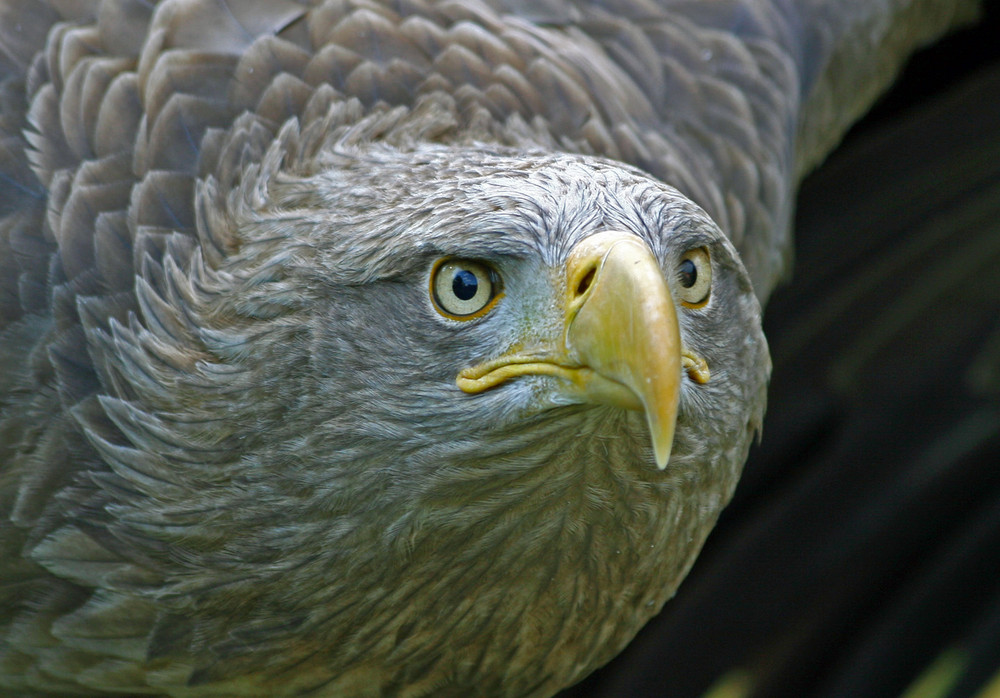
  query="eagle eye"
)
[
  {"x": 464, "y": 289},
  {"x": 694, "y": 275}
]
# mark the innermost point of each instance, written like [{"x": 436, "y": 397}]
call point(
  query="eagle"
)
[{"x": 389, "y": 348}]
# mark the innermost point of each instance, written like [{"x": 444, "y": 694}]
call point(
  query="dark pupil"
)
[
  {"x": 689, "y": 273},
  {"x": 464, "y": 285}
]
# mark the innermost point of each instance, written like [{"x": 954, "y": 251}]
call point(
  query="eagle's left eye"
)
[
  {"x": 464, "y": 289},
  {"x": 694, "y": 276}
]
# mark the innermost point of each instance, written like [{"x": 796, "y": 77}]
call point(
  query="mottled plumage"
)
[{"x": 234, "y": 457}]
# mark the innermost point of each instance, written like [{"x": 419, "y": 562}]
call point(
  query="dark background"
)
[{"x": 861, "y": 554}]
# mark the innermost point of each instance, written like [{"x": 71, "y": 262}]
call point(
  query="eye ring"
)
[
  {"x": 464, "y": 289},
  {"x": 694, "y": 277}
]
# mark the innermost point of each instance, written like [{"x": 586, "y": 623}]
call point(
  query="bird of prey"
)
[{"x": 391, "y": 348}]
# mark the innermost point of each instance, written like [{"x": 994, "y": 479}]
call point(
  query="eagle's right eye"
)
[{"x": 464, "y": 289}]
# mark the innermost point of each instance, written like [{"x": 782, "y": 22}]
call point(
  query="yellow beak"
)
[{"x": 621, "y": 344}]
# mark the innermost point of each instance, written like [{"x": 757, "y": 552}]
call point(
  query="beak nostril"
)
[{"x": 585, "y": 282}]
